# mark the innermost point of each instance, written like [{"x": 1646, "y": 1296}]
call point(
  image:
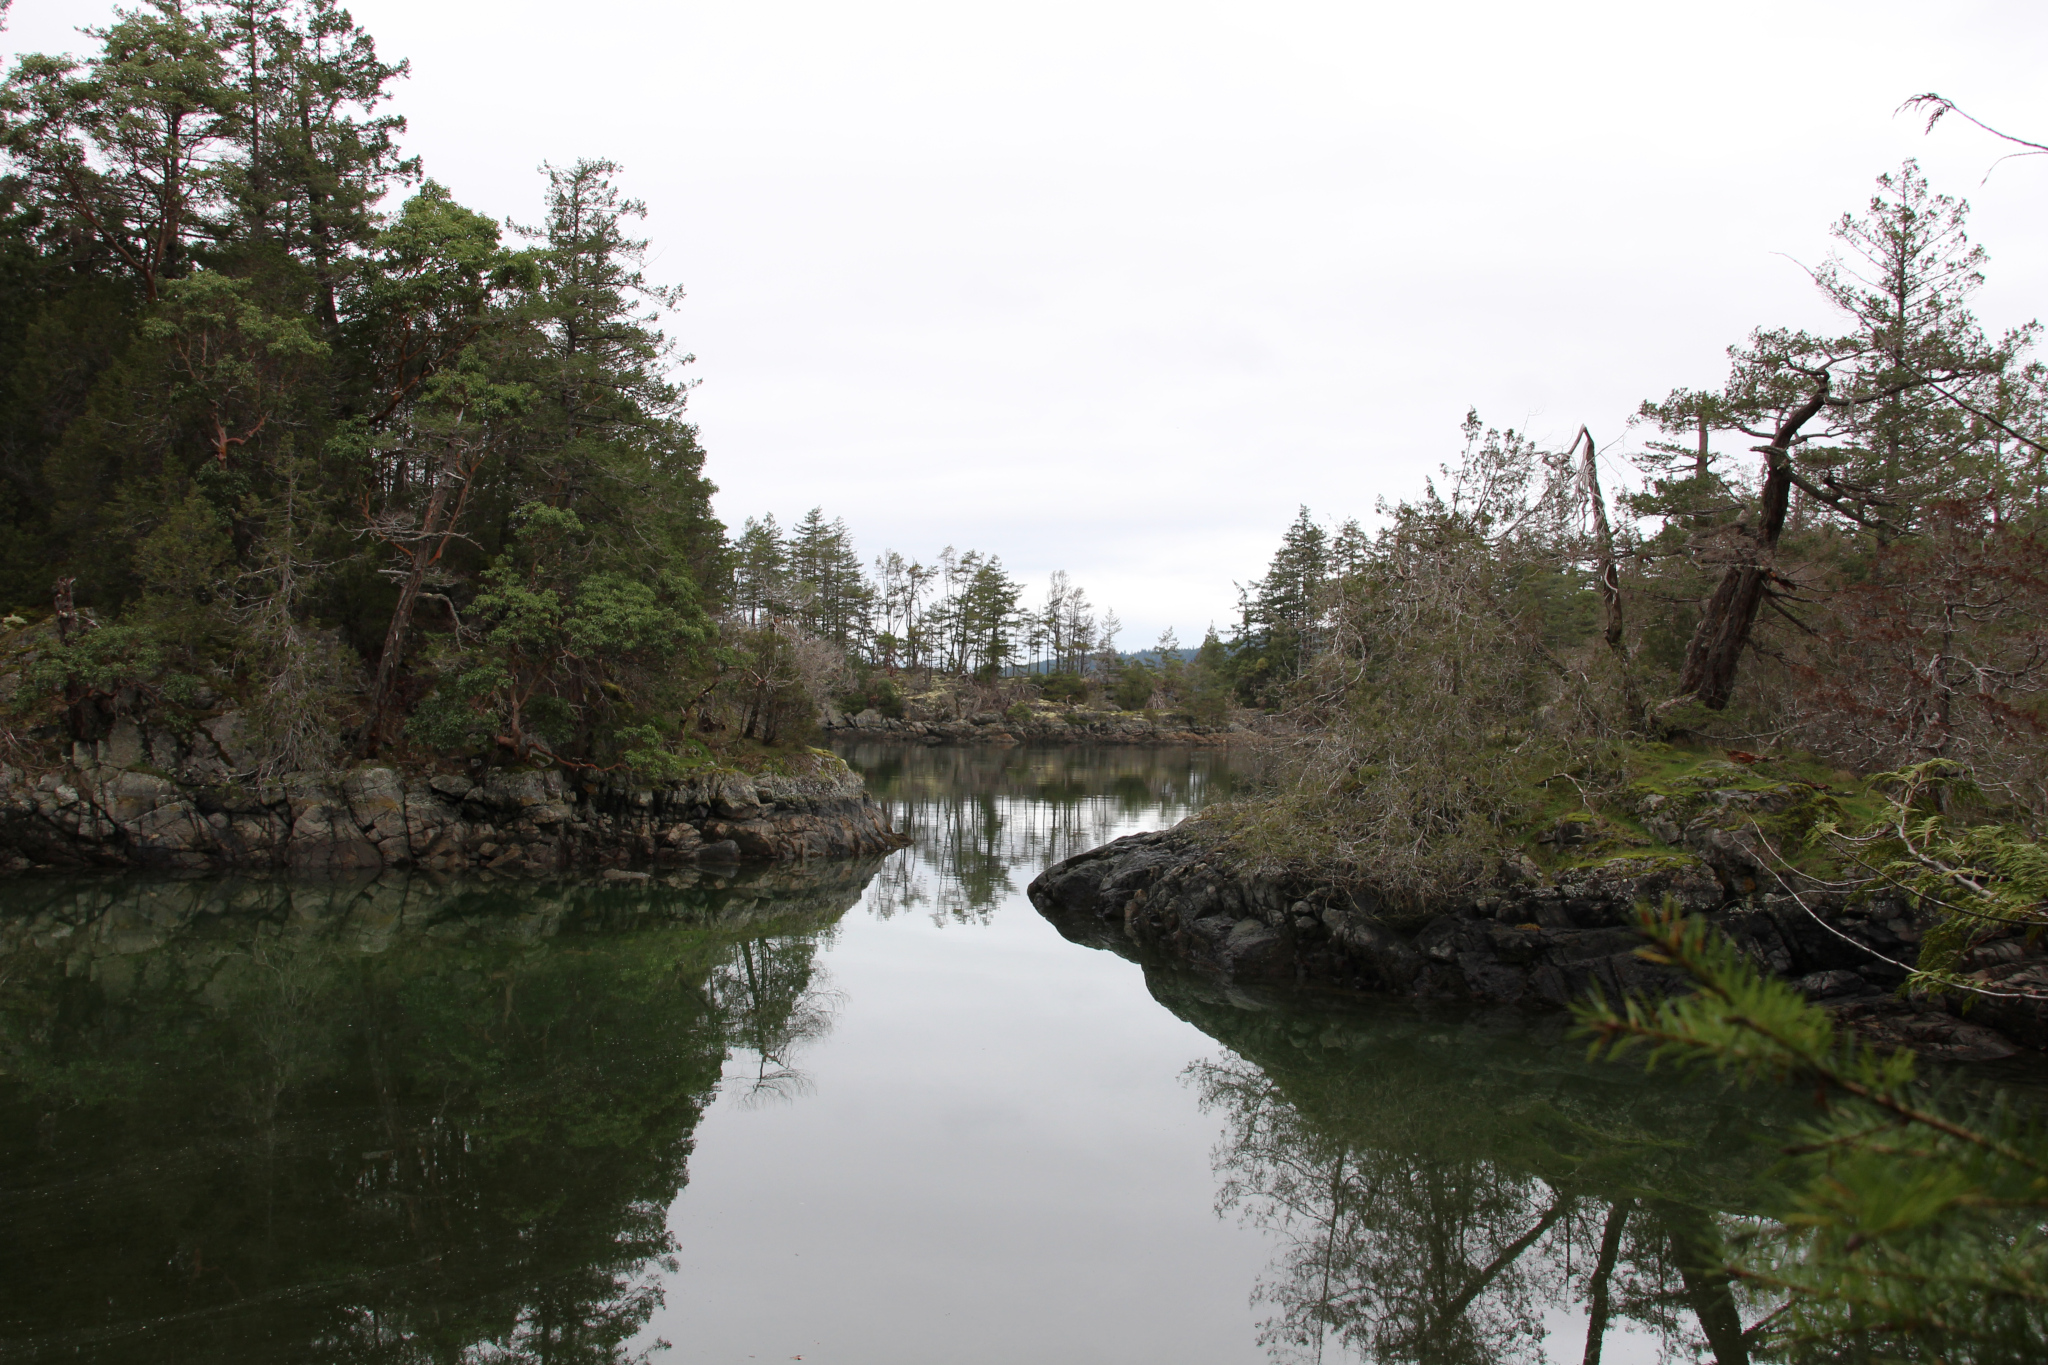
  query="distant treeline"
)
[{"x": 961, "y": 614}]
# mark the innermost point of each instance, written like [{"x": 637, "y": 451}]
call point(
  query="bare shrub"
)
[
  {"x": 1936, "y": 648},
  {"x": 1456, "y": 674}
]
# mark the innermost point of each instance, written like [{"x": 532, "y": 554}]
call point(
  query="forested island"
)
[
  {"x": 311, "y": 467},
  {"x": 1782, "y": 711}
]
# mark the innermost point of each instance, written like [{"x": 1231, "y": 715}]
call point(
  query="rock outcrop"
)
[
  {"x": 1536, "y": 941},
  {"x": 154, "y": 799},
  {"x": 1033, "y": 725}
]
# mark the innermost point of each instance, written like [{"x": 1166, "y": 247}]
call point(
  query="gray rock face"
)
[
  {"x": 144, "y": 798},
  {"x": 1531, "y": 942}
]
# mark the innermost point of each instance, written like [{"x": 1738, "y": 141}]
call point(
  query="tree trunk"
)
[
  {"x": 1603, "y": 1280},
  {"x": 437, "y": 527},
  {"x": 1603, "y": 545},
  {"x": 1714, "y": 654},
  {"x": 1613, "y": 626},
  {"x": 1708, "y": 1289}
]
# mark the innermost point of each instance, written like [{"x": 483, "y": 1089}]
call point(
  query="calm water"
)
[{"x": 853, "y": 1113}]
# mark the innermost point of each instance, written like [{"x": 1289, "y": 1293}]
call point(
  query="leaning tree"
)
[{"x": 1910, "y": 406}]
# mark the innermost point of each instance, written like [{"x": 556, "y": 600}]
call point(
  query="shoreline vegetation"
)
[
  {"x": 345, "y": 526},
  {"x": 312, "y": 470},
  {"x": 1737, "y": 767},
  {"x": 1820, "y": 673}
]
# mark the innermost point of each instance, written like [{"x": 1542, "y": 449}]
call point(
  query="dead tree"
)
[
  {"x": 1606, "y": 566},
  {"x": 1607, "y": 570}
]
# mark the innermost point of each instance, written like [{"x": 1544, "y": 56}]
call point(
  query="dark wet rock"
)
[
  {"x": 1534, "y": 942},
  {"x": 1822, "y": 985},
  {"x": 2020, "y": 1009},
  {"x": 142, "y": 799}
]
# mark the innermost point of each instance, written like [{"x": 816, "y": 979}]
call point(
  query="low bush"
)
[{"x": 1063, "y": 687}]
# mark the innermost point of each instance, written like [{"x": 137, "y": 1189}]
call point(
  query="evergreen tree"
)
[
  {"x": 1278, "y": 614},
  {"x": 1874, "y": 429},
  {"x": 126, "y": 149},
  {"x": 759, "y": 567},
  {"x": 835, "y": 596},
  {"x": 262, "y": 424}
]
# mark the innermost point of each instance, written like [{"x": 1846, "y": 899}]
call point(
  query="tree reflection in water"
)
[
  {"x": 401, "y": 1122},
  {"x": 985, "y": 819},
  {"x": 388, "y": 1122},
  {"x": 775, "y": 999},
  {"x": 1433, "y": 1191}
]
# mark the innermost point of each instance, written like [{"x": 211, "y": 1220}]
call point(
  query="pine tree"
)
[
  {"x": 1874, "y": 428},
  {"x": 760, "y": 566},
  {"x": 1279, "y": 613}
]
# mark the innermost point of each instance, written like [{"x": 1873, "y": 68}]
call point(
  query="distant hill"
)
[{"x": 1149, "y": 657}]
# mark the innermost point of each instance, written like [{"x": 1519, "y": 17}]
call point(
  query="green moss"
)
[{"x": 1619, "y": 797}]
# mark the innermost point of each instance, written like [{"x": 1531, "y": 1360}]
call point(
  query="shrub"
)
[
  {"x": 873, "y": 694},
  {"x": 1063, "y": 687},
  {"x": 1134, "y": 687}
]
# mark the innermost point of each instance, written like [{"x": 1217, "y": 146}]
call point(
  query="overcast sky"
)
[{"x": 1112, "y": 287}]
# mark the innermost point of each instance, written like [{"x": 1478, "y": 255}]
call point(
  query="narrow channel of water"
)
[{"x": 874, "y": 1112}]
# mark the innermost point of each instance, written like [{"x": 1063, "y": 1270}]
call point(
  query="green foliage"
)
[
  {"x": 873, "y": 693},
  {"x": 556, "y": 639},
  {"x": 820, "y": 581},
  {"x": 1907, "y": 1229},
  {"x": 99, "y": 665},
  {"x": 1280, "y": 615},
  {"x": 459, "y": 715},
  {"x": 770, "y": 685},
  {"x": 1063, "y": 687},
  {"x": 1428, "y": 699},
  {"x": 1134, "y": 687},
  {"x": 1979, "y": 877},
  {"x": 648, "y": 758},
  {"x": 212, "y": 332},
  {"x": 1208, "y": 681},
  {"x": 184, "y": 564}
]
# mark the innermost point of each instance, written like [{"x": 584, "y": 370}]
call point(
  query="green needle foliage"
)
[
  {"x": 1979, "y": 877},
  {"x": 1908, "y": 1225}
]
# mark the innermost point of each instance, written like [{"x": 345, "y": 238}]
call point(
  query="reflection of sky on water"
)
[
  {"x": 496, "y": 1121},
  {"x": 1004, "y": 1152}
]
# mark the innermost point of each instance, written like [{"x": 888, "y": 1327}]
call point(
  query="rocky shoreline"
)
[
  {"x": 1536, "y": 941},
  {"x": 150, "y": 798},
  {"x": 1041, "y": 726}
]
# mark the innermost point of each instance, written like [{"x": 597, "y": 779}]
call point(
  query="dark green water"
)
[{"x": 850, "y": 1113}]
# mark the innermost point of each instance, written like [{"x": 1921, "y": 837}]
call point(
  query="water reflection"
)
[
  {"x": 1441, "y": 1188},
  {"x": 1434, "y": 1187},
  {"x": 984, "y": 821},
  {"x": 776, "y": 999},
  {"x": 394, "y": 1122},
  {"x": 400, "y": 1121}
]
